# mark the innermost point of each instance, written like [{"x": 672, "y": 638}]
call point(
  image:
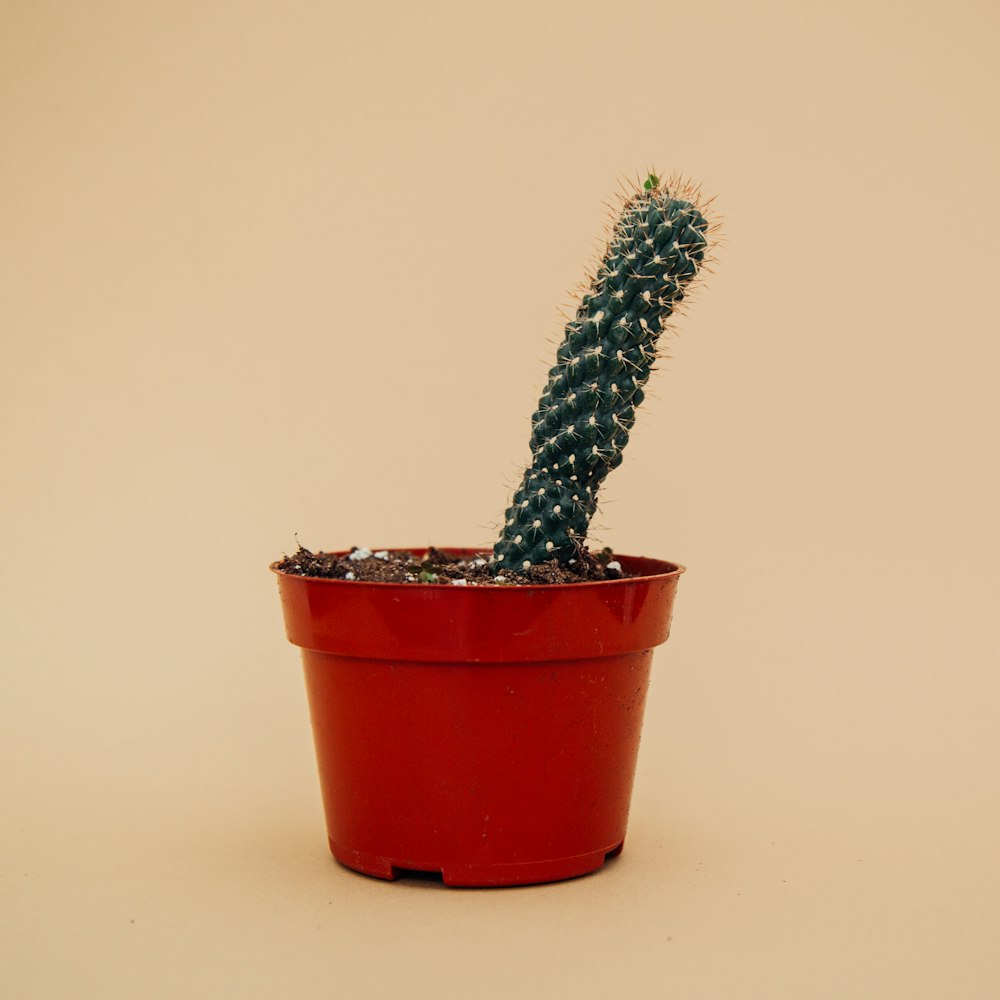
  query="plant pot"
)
[{"x": 487, "y": 733}]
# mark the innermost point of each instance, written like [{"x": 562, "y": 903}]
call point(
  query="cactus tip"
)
[{"x": 652, "y": 181}]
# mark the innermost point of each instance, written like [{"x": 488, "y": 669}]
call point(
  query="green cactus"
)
[{"x": 588, "y": 407}]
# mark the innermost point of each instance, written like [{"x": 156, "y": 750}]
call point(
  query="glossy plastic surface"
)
[{"x": 487, "y": 733}]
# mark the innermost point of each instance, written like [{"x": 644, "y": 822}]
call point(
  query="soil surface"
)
[{"x": 439, "y": 567}]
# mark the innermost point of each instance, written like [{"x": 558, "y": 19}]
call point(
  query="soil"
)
[{"x": 439, "y": 567}]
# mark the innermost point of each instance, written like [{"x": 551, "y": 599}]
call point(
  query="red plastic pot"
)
[{"x": 487, "y": 733}]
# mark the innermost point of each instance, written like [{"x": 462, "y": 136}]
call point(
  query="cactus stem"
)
[{"x": 653, "y": 249}]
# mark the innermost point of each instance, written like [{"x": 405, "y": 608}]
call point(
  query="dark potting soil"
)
[{"x": 438, "y": 567}]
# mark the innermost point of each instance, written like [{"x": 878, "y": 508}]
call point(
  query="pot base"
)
[{"x": 479, "y": 874}]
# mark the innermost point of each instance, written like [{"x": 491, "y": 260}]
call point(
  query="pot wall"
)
[{"x": 489, "y": 733}]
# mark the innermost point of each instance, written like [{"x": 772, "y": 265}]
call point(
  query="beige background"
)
[{"x": 291, "y": 267}]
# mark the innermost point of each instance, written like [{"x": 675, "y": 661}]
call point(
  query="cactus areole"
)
[{"x": 588, "y": 407}]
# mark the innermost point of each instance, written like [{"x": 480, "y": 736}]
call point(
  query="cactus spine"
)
[{"x": 588, "y": 407}]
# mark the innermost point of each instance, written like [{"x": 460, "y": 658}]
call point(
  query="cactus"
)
[{"x": 584, "y": 416}]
